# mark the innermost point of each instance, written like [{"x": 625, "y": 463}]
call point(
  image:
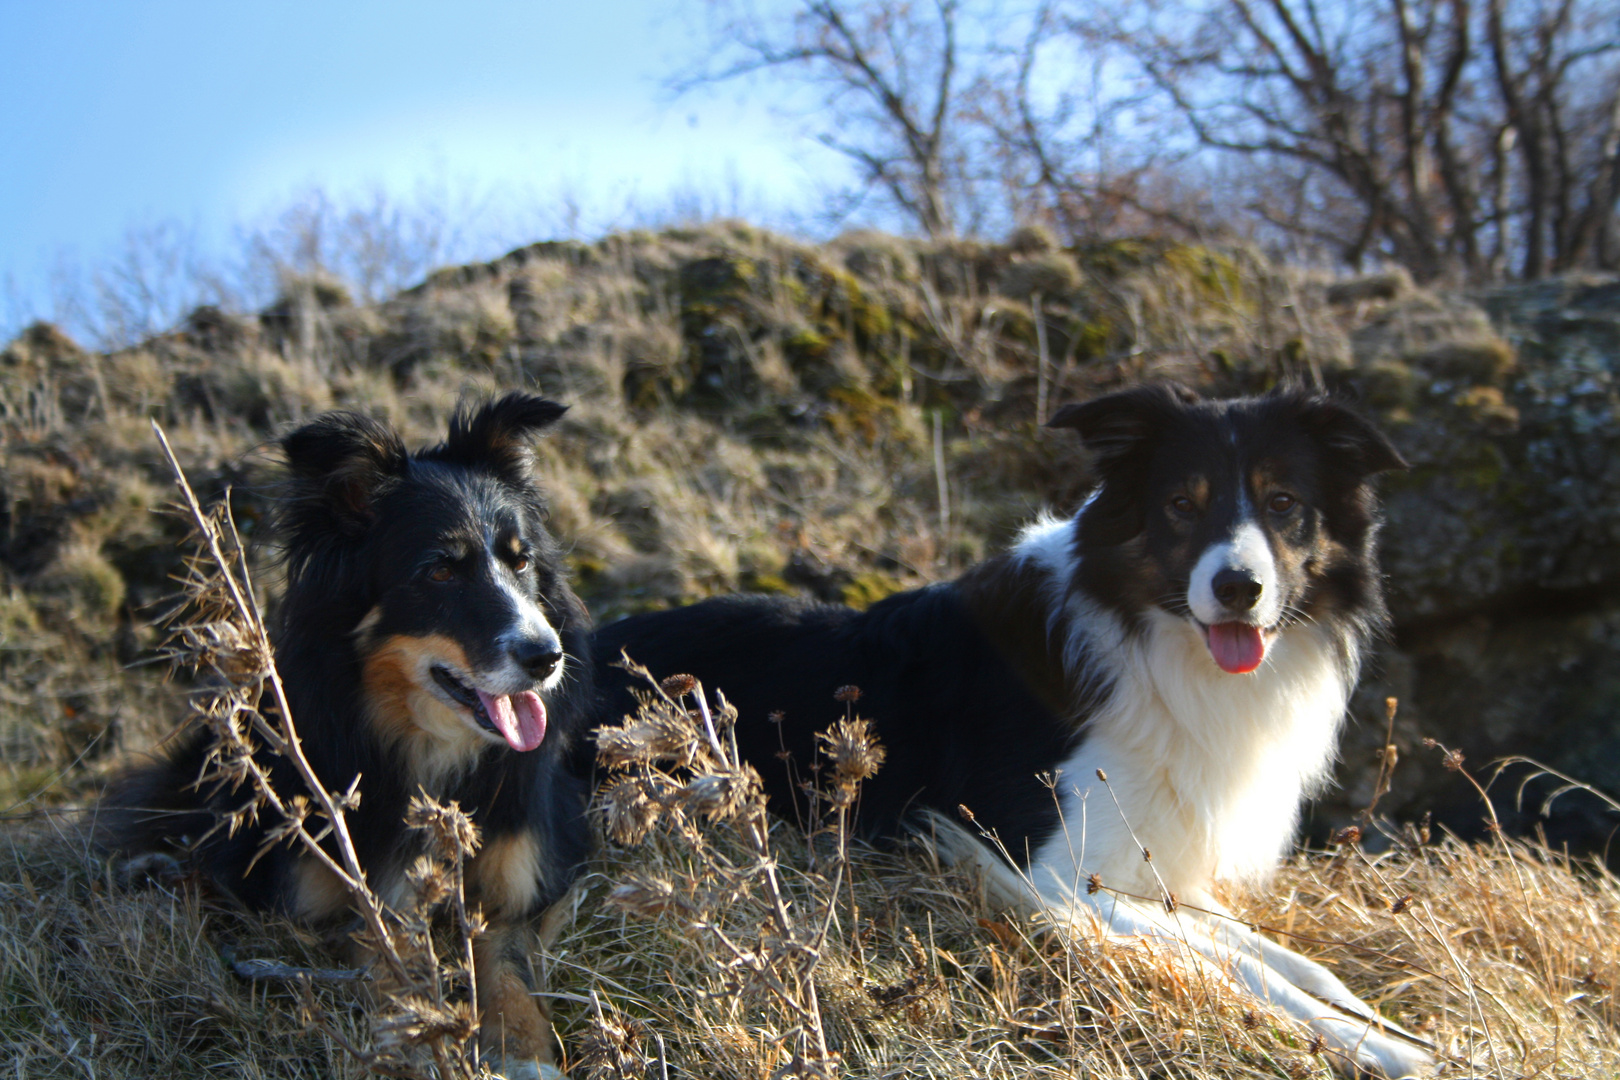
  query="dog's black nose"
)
[
  {"x": 538, "y": 658},
  {"x": 1237, "y": 590}
]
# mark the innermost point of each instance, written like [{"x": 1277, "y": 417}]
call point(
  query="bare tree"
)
[
  {"x": 1426, "y": 131},
  {"x": 1073, "y": 143},
  {"x": 888, "y": 76}
]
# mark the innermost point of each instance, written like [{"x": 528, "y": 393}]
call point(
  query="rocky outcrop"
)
[
  {"x": 754, "y": 413},
  {"x": 1502, "y": 548}
]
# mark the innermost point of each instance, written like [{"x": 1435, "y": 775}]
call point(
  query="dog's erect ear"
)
[
  {"x": 340, "y": 464},
  {"x": 1349, "y": 438},
  {"x": 496, "y": 436},
  {"x": 1113, "y": 426}
]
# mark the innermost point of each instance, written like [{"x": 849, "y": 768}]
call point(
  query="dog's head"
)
[
  {"x": 443, "y": 555},
  {"x": 1244, "y": 516}
]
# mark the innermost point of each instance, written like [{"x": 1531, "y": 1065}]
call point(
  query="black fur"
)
[{"x": 362, "y": 522}]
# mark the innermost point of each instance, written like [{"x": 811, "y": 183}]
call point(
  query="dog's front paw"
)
[
  {"x": 149, "y": 868},
  {"x": 526, "y": 1069},
  {"x": 1395, "y": 1059}
]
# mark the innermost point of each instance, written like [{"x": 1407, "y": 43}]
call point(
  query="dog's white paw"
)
[
  {"x": 526, "y": 1069},
  {"x": 1395, "y": 1059}
]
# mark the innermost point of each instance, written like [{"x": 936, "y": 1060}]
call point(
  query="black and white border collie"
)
[
  {"x": 1192, "y": 635},
  {"x": 428, "y": 640}
]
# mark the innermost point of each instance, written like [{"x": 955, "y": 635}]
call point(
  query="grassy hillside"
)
[{"x": 843, "y": 421}]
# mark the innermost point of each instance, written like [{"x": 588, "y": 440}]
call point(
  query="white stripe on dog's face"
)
[
  {"x": 529, "y": 623},
  {"x": 1245, "y": 550}
]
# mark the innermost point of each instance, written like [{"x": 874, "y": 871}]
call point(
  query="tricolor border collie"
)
[
  {"x": 1192, "y": 635},
  {"x": 428, "y": 640}
]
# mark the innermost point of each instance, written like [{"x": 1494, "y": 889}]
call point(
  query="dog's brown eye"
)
[
  {"x": 1281, "y": 503},
  {"x": 441, "y": 573},
  {"x": 1182, "y": 505},
  {"x": 520, "y": 563}
]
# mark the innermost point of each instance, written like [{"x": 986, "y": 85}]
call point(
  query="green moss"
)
[
  {"x": 717, "y": 278},
  {"x": 18, "y": 620},
  {"x": 766, "y": 582},
  {"x": 1092, "y": 338},
  {"x": 1389, "y": 385},
  {"x": 805, "y": 346},
  {"x": 20, "y": 783},
  {"x": 1483, "y": 360},
  {"x": 858, "y": 412},
  {"x": 1116, "y": 258},
  {"x": 1215, "y": 274},
  {"x": 869, "y": 319},
  {"x": 868, "y": 588},
  {"x": 1015, "y": 322}
]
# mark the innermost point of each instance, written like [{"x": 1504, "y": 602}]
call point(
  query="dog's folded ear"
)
[
  {"x": 1348, "y": 438},
  {"x": 1114, "y": 425},
  {"x": 496, "y": 436},
  {"x": 339, "y": 465}
]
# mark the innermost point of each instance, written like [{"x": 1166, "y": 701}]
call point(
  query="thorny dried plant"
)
[
  {"x": 676, "y": 767},
  {"x": 423, "y": 1006}
]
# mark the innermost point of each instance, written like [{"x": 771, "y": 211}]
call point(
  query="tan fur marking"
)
[
  {"x": 1198, "y": 490},
  {"x": 506, "y": 875},
  {"x": 511, "y": 1022},
  {"x": 556, "y": 918},
  {"x": 404, "y": 711},
  {"x": 317, "y": 893}
]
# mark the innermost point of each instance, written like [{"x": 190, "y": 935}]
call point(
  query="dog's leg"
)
[
  {"x": 514, "y": 1028},
  {"x": 1356, "y": 1040},
  {"x": 1302, "y": 971}
]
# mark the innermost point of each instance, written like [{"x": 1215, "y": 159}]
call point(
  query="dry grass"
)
[{"x": 1505, "y": 954}]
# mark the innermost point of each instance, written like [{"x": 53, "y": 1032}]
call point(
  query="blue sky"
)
[{"x": 117, "y": 115}]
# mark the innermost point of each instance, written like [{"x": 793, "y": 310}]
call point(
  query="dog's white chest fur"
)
[{"x": 1208, "y": 769}]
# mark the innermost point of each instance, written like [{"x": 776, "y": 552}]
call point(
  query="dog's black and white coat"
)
[
  {"x": 428, "y": 641},
  {"x": 1193, "y": 633}
]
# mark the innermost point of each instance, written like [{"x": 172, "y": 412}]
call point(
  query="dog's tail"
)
[
  {"x": 152, "y": 807},
  {"x": 1002, "y": 883}
]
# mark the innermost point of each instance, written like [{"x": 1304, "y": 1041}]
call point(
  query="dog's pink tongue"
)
[
  {"x": 1237, "y": 647},
  {"x": 520, "y": 717}
]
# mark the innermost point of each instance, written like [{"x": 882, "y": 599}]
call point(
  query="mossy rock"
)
[
  {"x": 1116, "y": 258},
  {"x": 806, "y": 347},
  {"x": 40, "y": 346},
  {"x": 716, "y": 279},
  {"x": 878, "y": 256},
  {"x": 1092, "y": 337},
  {"x": 215, "y": 330},
  {"x": 1214, "y": 274},
  {"x": 1488, "y": 408},
  {"x": 1483, "y": 360},
  {"x": 1049, "y": 273},
  {"x": 868, "y": 588},
  {"x": 1032, "y": 238},
  {"x": 1388, "y": 385},
  {"x": 854, "y": 411},
  {"x": 845, "y": 302},
  {"x": 1385, "y": 285},
  {"x": 80, "y": 587}
]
